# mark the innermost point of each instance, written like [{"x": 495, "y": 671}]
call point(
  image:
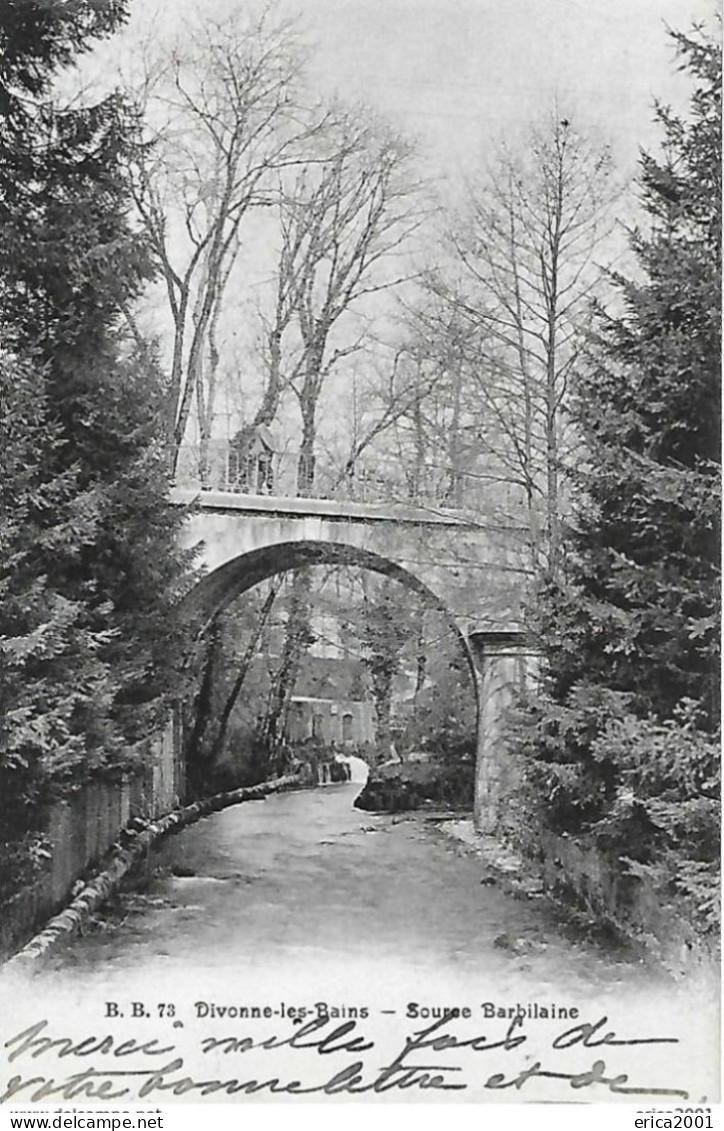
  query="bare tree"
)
[
  {"x": 273, "y": 326},
  {"x": 413, "y": 421},
  {"x": 389, "y": 387},
  {"x": 224, "y": 117},
  {"x": 409, "y": 427},
  {"x": 525, "y": 271},
  {"x": 345, "y": 220},
  {"x": 298, "y": 638},
  {"x": 244, "y": 666}
]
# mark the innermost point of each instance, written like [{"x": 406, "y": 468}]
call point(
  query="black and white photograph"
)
[{"x": 360, "y": 449}]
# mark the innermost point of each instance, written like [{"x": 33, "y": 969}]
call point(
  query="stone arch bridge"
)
[{"x": 468, "y": 568}]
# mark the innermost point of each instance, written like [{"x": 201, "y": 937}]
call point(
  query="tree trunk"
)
[
  {"x": 203, "y": 707},
  {"x": 207, "y": 398},
  {"x": 526, "y": 456},
  {"x": 421, "y": 658},
  {"x": 382, "y": 692},
  {"x": 175, "y": 392},
  {"x": 217, "y": 748},
  {"x": 419, "y": 468},
  {"x": 554, "y": 536},
  {"x": 306, "y": 465},
  {"x": 551, "y": 439},
  {"x": 296, "y": 641},
  {"x": 454, "y": 491}
]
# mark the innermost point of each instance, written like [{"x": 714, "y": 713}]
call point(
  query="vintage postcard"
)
[{"x": 359, "y": 592}]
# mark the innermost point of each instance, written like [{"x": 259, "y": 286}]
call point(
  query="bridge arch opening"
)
[
  {"x": 222, "y": 586},
  {"x": 218, "y": 590}
]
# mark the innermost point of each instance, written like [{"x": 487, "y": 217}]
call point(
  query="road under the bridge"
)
[
  {"x": 303, "y": 877},
  {"x": 301, "y": 904}
]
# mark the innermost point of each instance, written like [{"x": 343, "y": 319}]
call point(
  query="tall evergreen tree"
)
[
  {"x": 620, "y": 746},
  {"x": 50, "y": 675},
  {"x": 90, "y": 575}
]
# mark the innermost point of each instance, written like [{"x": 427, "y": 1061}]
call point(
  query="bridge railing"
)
[{"x": 373, "y": 480}]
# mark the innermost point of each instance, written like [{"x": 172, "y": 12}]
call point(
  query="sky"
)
[{"x": 459, "y": 74}]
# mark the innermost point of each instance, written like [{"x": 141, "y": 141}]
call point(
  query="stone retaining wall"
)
[
  {"x": 82, "y": 829},
  {"x": 132, "y": 847},
  {"x": 606, "y": 890}
]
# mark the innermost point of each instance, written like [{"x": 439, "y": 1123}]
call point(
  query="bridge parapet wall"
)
[{"x": 471, "y": 567}]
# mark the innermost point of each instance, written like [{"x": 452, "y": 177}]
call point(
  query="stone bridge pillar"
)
[{"x": 505, "y": 661}]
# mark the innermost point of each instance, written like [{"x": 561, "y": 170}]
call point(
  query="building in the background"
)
[{"x": 344, "y": 722}]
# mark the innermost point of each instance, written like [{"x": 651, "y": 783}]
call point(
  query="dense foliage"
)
[
  {"x": 89, "y": 572},
  {"x": 444, "y": 715},
  {"x": 621, "y": 745}
]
